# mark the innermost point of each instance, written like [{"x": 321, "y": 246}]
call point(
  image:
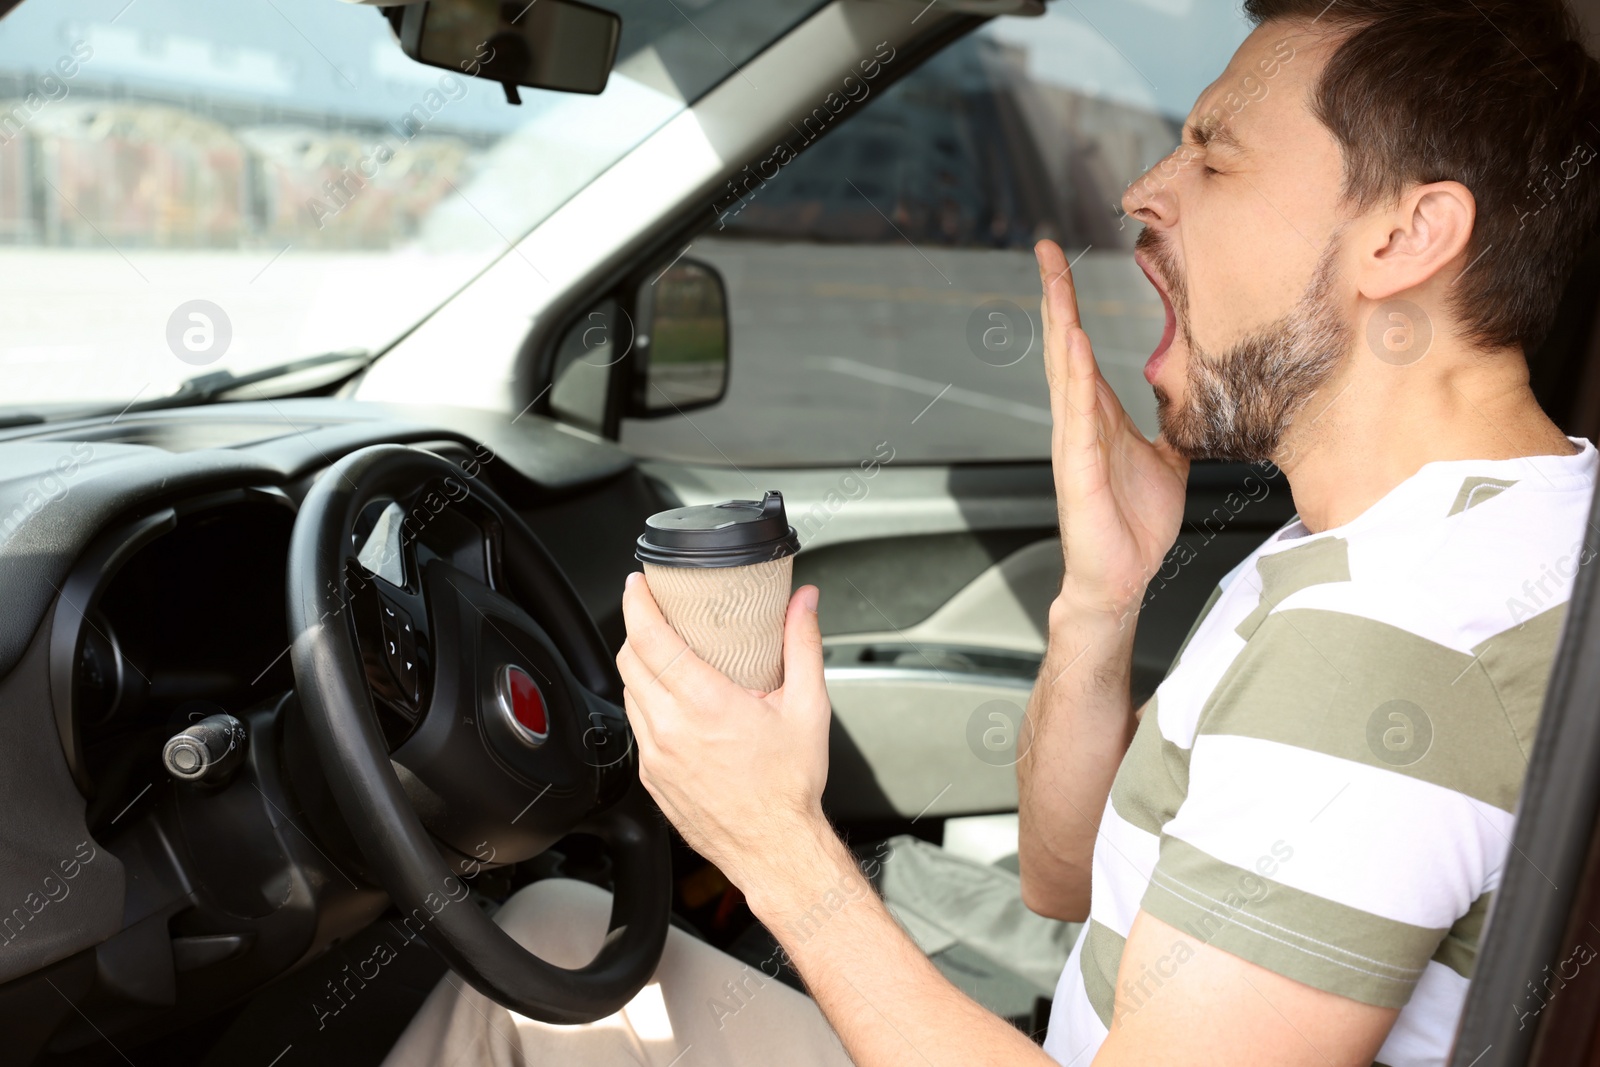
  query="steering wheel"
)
[{"x": 496, "y": 730}]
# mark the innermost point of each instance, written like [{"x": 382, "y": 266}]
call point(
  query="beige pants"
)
[{"x": 702, "y": 1008}]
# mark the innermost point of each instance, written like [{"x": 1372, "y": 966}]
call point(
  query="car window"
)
[
  {"x": 882, "y": 284},
  {"x": 188, "y": 186}
]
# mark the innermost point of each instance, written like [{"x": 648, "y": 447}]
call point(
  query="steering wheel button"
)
[
  {"x": 395, "y": 621},
  {"x": 521, "y": 701},
  {"x": 400, "y": 649}
]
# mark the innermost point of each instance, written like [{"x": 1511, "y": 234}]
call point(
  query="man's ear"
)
[{"x": 1422, "y": 237}]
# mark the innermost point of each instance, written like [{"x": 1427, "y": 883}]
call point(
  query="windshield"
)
[{"x": 190, "y": 187}]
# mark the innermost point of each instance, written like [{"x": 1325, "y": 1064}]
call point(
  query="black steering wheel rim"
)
[{"x": 399, "y": 849}]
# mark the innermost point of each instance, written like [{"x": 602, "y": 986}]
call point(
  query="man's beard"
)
[{"x": 1241, "y": 403}]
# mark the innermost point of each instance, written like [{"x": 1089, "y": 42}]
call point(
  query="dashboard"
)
[
  {"x": 143, "y": 563},
  {"x": 192, "y": 624}
]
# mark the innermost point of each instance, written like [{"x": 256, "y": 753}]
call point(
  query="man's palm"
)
[{"x": 1120, "y": 496}]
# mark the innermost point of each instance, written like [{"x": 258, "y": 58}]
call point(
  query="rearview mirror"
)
[
  {"x": 682, "y": 342},
  {"x": 551, "y": 44}
]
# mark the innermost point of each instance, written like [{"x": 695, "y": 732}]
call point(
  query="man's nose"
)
[{"x": 1152, "y": 198}]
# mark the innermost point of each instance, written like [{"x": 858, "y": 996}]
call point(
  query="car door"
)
[
  {"x": 1535, "y": 993},
  {"x": 886, "y": 375}
]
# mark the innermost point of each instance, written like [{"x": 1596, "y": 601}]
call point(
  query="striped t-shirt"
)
[{"x": 1324, "y": 782}]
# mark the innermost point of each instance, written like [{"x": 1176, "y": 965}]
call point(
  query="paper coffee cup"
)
[{"x": 721, "y": 574}]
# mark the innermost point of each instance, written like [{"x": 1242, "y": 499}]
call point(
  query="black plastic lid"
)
[{"x": 733, "y": 533}]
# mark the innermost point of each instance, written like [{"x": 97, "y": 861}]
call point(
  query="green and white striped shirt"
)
[{"x": 1325, "y": 781}]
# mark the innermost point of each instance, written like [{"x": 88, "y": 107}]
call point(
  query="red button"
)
[{"x": 526, "y": 702}]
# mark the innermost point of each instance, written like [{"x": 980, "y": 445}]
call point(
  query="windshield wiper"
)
[
  {"x": 204, "y": 388},
  {"x": 201, "y": 389}
]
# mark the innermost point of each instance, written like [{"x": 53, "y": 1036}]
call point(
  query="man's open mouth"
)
[{"x": 1152, "y": 366}]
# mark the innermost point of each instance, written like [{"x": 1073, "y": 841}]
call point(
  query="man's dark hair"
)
[{"x": 1498, "y": 95}]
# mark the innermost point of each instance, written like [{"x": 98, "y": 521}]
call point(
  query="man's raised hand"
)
[{"x": 1118, "y": 495}]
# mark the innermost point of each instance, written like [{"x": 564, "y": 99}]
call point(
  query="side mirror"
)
[
  {"x": 552, "y": 44},
  {"x": 681, "y": 343}
]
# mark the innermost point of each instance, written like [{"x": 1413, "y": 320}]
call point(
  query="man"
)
[{"x": 1287, "y": 855}]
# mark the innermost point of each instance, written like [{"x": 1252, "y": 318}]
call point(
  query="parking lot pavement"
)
[{"x": 837, "y": 347}]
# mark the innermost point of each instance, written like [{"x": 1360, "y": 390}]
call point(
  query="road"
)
[{"x": 835, "y": 348}]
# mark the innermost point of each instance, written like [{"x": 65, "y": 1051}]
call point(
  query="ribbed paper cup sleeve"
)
[{"x": 731, "y": 616}]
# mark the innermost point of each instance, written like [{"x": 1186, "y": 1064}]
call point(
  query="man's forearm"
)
[
  {"x": 887, "y": 1002},
  {"x": 1081, "y": 720}
]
